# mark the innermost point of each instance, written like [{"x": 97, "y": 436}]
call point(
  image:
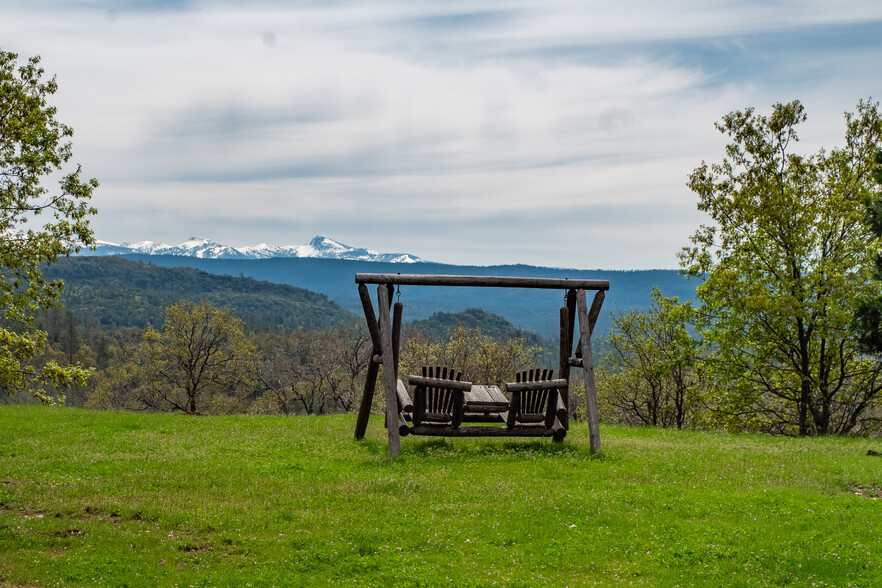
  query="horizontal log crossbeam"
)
[
  {"x": 481, "y": 281},
  {"x": 557, "y": 433}
]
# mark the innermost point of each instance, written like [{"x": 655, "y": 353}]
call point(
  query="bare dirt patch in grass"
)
[
  {"x": 31, "y": 514},
  {"x": 94, "y": 514},
  {"x": 872, "y": 491},
  {"x": 67, "y": 533}
]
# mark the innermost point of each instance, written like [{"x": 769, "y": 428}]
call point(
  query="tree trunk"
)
[
  {"x": 191, "y": 401},
  {"x": 804, "y": 396},
  {"x": 805, "y": 391}
]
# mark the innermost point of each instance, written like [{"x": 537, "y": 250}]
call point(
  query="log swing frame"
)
[{"x": 385, "y": 332}]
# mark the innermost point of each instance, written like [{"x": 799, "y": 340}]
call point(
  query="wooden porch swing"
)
[{"x": 444, "y": 405}]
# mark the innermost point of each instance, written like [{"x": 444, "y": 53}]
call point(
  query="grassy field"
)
[{"x": 113, "y": 499}]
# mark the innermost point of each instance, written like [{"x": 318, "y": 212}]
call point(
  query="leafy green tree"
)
[
  {"x": 33, "y": 148},
  {"x": 650, "y": 371},
  {"x": 868, "y": 313},
  {"x": 200, "y": 361},
  {"x": 781, "y": 266}
]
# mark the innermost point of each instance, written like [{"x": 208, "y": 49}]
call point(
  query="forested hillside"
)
[
  {"x": 440, "y": 324},
  {"x": 117, "y": 292},
  {"x": 536, "y": 310}
]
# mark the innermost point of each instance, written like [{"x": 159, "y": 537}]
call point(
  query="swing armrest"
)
[
  {"x": 439, "y": 383},
  {"x": 558, "y": 384}
]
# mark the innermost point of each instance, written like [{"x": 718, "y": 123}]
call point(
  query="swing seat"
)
[
  {"x": 442, "y": 402},
  {"x": 536, "y": 399},
  {"x": 438, "y": 396}
]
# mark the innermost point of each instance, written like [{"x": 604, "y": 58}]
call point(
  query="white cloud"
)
[{"x": 372, "y": 121}]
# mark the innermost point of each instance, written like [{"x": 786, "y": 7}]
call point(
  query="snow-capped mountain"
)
[
  {"x": 320, "y": 247},
  {"x": 192, "y": 247}
]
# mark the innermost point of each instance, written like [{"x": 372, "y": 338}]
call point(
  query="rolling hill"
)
[
  {"x": 440, "y": 324},
  {"x": 116, "y": 292}
]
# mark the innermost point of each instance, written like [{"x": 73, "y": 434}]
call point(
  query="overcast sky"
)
[{"x": 556, "y": 133}]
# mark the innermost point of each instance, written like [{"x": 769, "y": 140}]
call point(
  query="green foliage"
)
[
  {"x": 479, "y": 357},
  {"x": 109, "y": 302},
  {"x": 441, "y": 324},
  {"x": 123, "y": 499},
  {"x": 200, "y": 362},
  {"x": 650, "y": 371},
  {"x": 781, "y": 265},
  {"x": 34, "y": 146}
]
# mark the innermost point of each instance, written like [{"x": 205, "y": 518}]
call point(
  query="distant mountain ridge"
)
[
  {"x": 535, "y": 310},
  {"x": 319, "y": 247}
]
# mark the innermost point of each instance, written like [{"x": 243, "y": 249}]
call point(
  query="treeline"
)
[
  {"x": 180, "y": 339},
  {"x": 653, "y": 369},
  {"x": 205, "y": 360}
]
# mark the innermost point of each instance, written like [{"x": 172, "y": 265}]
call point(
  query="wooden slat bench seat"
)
[
  {"x": 485, "y": 399},
  {"x": 535, "y": 401},
  {"x": 484, "y": 404},
  {"x": 438, "y": 396},
  {"x": 443, "y": 405}
]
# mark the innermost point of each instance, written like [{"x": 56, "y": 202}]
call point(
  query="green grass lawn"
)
[{"x": 116, "y": 499}]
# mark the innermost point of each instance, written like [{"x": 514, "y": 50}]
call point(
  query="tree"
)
[
  {"x": 311, "y": 372},
  {"x": 650, "y": 372},
  {"x": 201, "y": 353},
  {"x": 34, "y": 147},
  {"x": 868, "y": 312},
  {"x": 780, "y": 269}
]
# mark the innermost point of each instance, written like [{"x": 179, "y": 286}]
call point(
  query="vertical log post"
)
[
  {"x": 367, "y": 400},
  {"x": 370, "y": 317},
  {"x": 585, "y": 328},
  {"x": 396, "y": 347},
  {"x": 396, "y": 334},
  {"x": 571, "y": 318},
  {"x": 596, "y": 305},
  {"x": 389, "y": 380},
  {"x": 370, "y": 382},
  {"x": 565, "y": 350}
]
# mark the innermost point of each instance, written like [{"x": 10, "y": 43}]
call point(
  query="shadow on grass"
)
[
  {"x": 472, "y": 448},
  {"x": 521, "y": 448},
  {"x": 373, "y": 447}
]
